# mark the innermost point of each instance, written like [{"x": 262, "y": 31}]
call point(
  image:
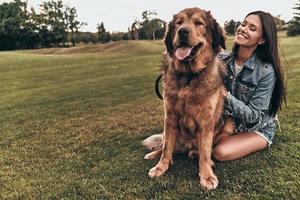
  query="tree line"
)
[
  {"x": 23, "y": 28},
  {"x": 148, "y": 28},
  {"x": 56, "y": 24}
]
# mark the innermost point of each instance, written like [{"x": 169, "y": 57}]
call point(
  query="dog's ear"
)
[
  {"x": 218, "y": 36},
  {"x": 169, "y": 35}
]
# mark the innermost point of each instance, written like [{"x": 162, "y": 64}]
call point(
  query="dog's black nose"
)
[{"x": 184, "y": 32}]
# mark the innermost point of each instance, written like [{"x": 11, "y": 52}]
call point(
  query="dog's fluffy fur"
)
[{"x": 192, "y": 84}]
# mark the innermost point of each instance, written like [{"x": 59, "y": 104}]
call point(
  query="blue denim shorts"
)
[
  {"x": 264, "y": 136},
  {"x": 264, "y": 129}
]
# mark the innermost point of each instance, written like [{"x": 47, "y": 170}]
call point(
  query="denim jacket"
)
[{"x": 250, "y": 94}]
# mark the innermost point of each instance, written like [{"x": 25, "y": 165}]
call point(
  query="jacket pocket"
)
[
  {"x": 255, "y": 126},
  {"x": 244, "y": 92}
]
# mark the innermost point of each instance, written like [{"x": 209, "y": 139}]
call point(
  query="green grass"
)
[{"x": 72, "y": 121}]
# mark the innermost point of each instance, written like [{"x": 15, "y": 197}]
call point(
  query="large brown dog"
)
[{"x": 192, "y": 80}]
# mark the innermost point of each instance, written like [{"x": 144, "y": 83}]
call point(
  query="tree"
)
[
  {"x": 101, "y": 28},
  {"x": 25, "y": 28},
  {"x": 294, "y": 24},
  {"x": 134, "y": 33},
  {"x": 53, "y": 17},
  {"x": 17, "y": 29},
  {"x": 155, "y": 25},
  {"x": 149, "y": 26},
  {"x": 103, "y": 36},
  {"x": 231, "y": 26},
  {"x": 12, "y": 21},
  {"x": 72, "y": 24}
]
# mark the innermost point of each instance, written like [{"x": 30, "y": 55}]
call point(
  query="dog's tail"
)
[{"x": 154, "y": 142}]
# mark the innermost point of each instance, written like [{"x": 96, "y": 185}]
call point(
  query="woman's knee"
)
[{"x": 220, "y": 153}]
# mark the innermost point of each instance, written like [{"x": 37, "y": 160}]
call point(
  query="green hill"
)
[{"x": 115, "y": 47}]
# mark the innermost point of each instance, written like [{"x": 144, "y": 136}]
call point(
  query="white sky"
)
[{"x": 118, "y": 15}]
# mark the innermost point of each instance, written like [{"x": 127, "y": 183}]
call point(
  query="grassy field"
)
[{"x": 71, "y": 123}]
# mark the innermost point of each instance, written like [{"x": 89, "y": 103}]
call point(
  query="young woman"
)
[{"x": 255, "y": 87}]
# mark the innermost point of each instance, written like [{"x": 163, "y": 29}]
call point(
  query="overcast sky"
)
[{"x": 118, "y": 15}]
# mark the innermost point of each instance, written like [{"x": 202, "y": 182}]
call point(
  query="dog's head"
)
[{"x": 194, "y": 37}]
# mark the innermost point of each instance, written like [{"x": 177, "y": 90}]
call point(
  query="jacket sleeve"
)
[{"x": 259, "y": 101}]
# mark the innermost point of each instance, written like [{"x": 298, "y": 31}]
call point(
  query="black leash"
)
[{"x": 157, "y": 86}]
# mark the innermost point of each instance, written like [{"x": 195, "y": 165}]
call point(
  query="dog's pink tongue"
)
[{"x": 182, "y": 52}]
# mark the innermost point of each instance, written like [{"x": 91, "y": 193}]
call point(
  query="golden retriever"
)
[{"x": 192, "y": 84}]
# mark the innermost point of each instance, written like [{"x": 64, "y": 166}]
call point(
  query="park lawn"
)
[{"x": 72, "y": 121}]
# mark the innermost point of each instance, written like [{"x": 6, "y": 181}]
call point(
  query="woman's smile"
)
[{"x": 241, "y": 35}]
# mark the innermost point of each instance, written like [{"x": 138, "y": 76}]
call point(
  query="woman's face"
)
[{"x": 250, "y": 32}]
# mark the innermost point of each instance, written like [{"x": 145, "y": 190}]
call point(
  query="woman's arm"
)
[{"x": 259, "y": 101}]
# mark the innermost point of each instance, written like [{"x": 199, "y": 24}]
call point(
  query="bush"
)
[
  {"x": 104, "y": 37},
  {"x": 293, "y": 28}
]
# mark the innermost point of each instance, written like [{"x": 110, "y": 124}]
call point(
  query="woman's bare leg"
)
[{"x": 238, "y": 145}]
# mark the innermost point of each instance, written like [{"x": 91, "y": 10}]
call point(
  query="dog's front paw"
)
[
  {"x": 209, "y": 182},
  {"x": 158, "y": 170}
]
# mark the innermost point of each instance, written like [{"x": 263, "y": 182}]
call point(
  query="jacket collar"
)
[{"x": 250, "y": 63}]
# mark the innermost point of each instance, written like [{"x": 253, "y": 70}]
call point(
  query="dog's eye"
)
[
  {"x": 198, "y": 23},
  {"x": 179, "y": 22}
]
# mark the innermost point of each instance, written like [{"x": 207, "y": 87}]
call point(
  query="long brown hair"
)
[{"x": 268, "y": 52}]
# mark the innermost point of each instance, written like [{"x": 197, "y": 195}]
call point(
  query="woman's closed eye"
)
[{"x": 253, "y": 28}]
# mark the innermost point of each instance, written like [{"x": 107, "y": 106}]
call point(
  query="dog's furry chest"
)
[
  {"x": 188, "y": 91},
  {"x": 190, "y": 95},
  {"x": 187, "y": 95}
]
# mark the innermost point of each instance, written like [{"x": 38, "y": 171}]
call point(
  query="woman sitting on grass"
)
[{"x": 256, "y": 88}]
